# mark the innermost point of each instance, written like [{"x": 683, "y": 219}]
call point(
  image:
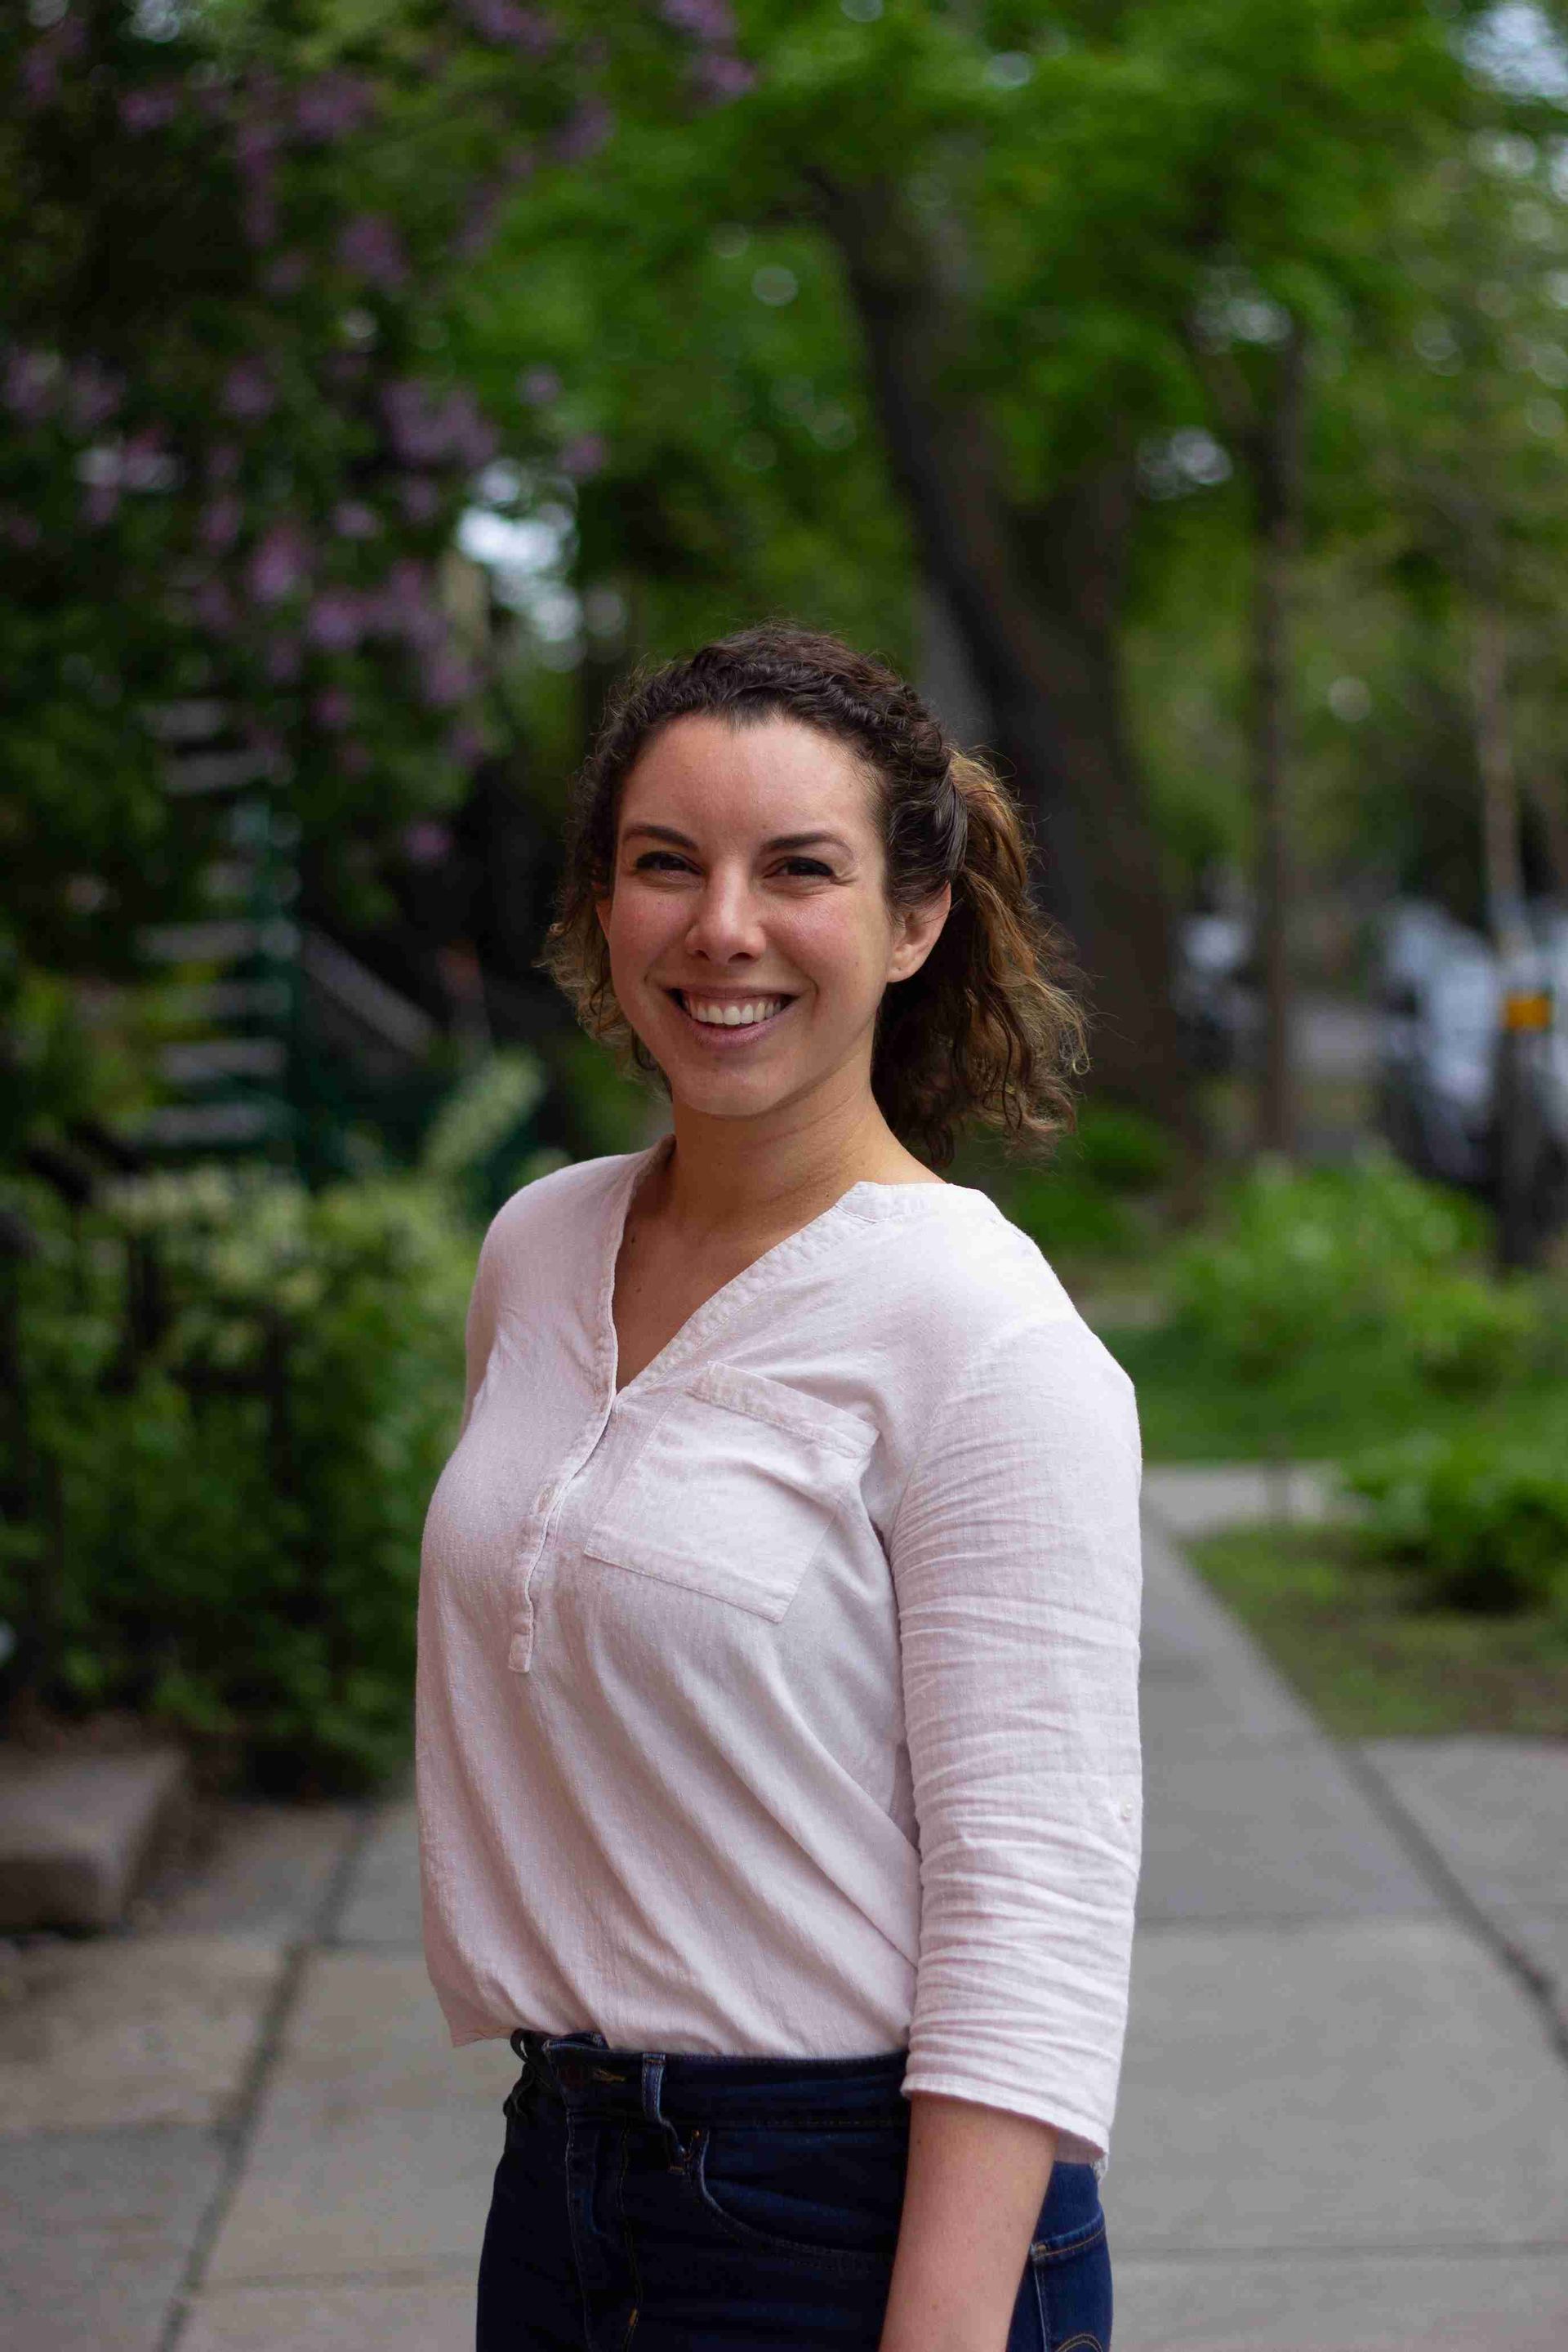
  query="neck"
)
[{"x": 735, "y": 1176}]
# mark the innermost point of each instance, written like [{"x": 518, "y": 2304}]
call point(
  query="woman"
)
[{"x": 778, "y": 1761}]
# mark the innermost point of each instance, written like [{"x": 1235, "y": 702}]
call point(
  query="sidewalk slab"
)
[
  {"x": 1372, "y": 2085},
  {"x": 1497, "y": 1810},
  {"x": 260, "y": 1870},
  {"x": 1276, "y": 1834},
  {"x": 377, "y": 2143},
  {"x": 132, "y": 2030},
  {"x": 382, "y": 1907},
  {"x": 414, "y": 2316},
  {"x": 95, "y": 2228},
  {"x": 1458, "y": 2301},
  {"x": 76, "y": 1831}
]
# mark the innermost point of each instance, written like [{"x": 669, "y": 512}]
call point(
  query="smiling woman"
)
[{"x": 778, "y": 1743}]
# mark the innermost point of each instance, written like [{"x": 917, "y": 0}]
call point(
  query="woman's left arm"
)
[
  {"x": 977, "y": 2176},
  {"x": 1017, "y": 1563}
]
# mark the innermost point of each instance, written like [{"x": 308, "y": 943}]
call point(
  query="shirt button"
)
[{"x": 522, "y": 1650}]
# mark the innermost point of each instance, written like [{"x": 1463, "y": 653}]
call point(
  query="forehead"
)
[{"x": 775, "y": 775}]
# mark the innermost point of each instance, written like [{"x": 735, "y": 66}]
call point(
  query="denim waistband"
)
[{"x": 584, "y": 2073}]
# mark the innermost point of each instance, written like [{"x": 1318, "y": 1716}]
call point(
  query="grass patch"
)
[
  {"x": 1191, "y": 1410},
  {"x": 1338, "y": 1625}
]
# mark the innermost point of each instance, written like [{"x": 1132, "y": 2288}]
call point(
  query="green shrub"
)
[
  {"x": 1084, "y": 1203},
  {"x": 227, "y": 1508},
  {"x": 1480, "y": 1523},
  {"x": 1309, "y": 1263}
]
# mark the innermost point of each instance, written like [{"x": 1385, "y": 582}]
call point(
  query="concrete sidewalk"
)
[{"x": 1345, "y": 2122}]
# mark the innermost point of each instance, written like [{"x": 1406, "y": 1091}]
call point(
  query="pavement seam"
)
[
  {"x": 1536, "y": 1982},
  {"x": 235, "y": 2135},
  {"x": 1445, "y": 1881}
]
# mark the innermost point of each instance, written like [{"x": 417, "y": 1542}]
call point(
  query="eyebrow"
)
[{"x": 779, "y": 840}]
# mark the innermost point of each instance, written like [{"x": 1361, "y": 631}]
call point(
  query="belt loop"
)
[{"x": 653, "y": 2111}]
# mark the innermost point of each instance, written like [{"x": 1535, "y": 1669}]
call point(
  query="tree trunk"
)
[
  {"x": 1277, "y": 458},
  {"x": 1502, "y": 855},
  {"x": 1035, "y": 597}
]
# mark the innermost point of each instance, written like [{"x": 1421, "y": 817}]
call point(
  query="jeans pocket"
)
[
  {"x": 1072, "y": 2278},
  {"x": 831, "y": 2198}
]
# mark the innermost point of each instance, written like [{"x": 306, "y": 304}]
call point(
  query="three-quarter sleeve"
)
[{"x": 1016, "y": 1560}]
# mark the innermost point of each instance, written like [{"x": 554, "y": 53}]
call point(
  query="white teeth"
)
[{"x": 734, "y": 1016}]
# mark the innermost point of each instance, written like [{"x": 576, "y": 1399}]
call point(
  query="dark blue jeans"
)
[{"x": 692, "y": 2204}]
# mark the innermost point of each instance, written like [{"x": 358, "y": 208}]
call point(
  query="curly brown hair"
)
[{"x": 989, "y": 1028}]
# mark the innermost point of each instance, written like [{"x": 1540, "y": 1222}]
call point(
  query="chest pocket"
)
[{"x": 733, "y": 1490}]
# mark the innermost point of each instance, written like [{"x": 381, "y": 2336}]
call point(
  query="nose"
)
[{"x": 726, "y": 921}]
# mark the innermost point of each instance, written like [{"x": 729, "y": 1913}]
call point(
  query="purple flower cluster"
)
[
  {"x": 151, "y": 108},
  {"x": 332, "y": 106},
  {"x": 370, "y": 247},
  {"x": 509, "y": 26},
  {"x": 431, "y": 428},
  {"x": 705, "y": 20},
  {"x": 586, "y": 131}
]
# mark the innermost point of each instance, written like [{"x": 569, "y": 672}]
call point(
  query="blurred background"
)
[{"x": 1179, "y": 393}]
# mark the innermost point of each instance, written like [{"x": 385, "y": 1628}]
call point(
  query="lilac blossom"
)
[
  {"x": 223, "y": 462},
  {"x": 427, "y": 842},
  {"x": 539, "y": 386},
  {"x": 405, "y": 609},
  {"x": 723, "y": 77},
  {"x": 21, "y": 530},
  {"x": 427, "y": 431},
  {"x": 220, "y": 521},
  {"x": 335, "y": 621},
  {"x": 502, "y": 21},
  {"x": 334, "y": 709},
  {"x": 351, "y": 518},
  {"x": 584, "y": 457},
  {"x": 278, "y": 567},
  {"x": 151, "y": 109},
  {"x": 27, "y": 384},
  {"x": 249, "y": 390},
  {"x": 281, "y": 660},
  {"x": 101, "y": 503},
  {"x": 285, "y": 275},
  {"x": 258, "y": 216},
  {"x": 214, "y": 607},
  {"x": 354, "y": 759},
  {"x": 445, "y": 677},
  {"x": 420, "y": 499},
  {"x": 92, "y": 394},
  {"x": 372, "y": 248},
  {"x": 332, "y": 106},
  {"x": 465, "y": 744},
  {"x": 705, "y": 20},
  {"x": 584, "y": 134}
]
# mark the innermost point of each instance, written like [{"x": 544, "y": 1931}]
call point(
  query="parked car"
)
[
  {"x": 1440, "y": 1002},
  {"x": 1214, "y": 989}
]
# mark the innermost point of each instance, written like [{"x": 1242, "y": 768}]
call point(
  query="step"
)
[{"x": 79, "y": 1832}]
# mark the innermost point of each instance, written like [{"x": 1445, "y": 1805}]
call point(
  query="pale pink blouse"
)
[{"x": 785, "y": 1703}]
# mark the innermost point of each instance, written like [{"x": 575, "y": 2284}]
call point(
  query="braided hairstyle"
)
[{"x": 989, "y": 1028}]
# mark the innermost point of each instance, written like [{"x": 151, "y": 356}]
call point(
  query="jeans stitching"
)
[{"x": 848, "y": 2260}]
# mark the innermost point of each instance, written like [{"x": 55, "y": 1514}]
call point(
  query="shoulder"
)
[
  {"x": 557, "y": 1208},
  {"x": 969, "y": 1294}
]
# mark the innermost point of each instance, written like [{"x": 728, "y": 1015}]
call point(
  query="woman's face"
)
[{"x": 748, "y": 888}]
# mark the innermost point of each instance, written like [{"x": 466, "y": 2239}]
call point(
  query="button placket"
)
[{"x": 520, "y": 1652}]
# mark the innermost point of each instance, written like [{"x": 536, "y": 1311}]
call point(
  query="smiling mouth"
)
[{"x": 753, "y": 1012}]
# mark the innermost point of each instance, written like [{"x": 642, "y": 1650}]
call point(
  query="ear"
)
[{"x": 919, "y": 929}]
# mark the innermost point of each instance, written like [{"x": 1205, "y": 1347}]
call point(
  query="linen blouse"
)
[{"x": 785, "y": 1702}]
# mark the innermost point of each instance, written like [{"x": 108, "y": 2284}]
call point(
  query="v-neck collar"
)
[{"x": 860, "y": 1199}]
